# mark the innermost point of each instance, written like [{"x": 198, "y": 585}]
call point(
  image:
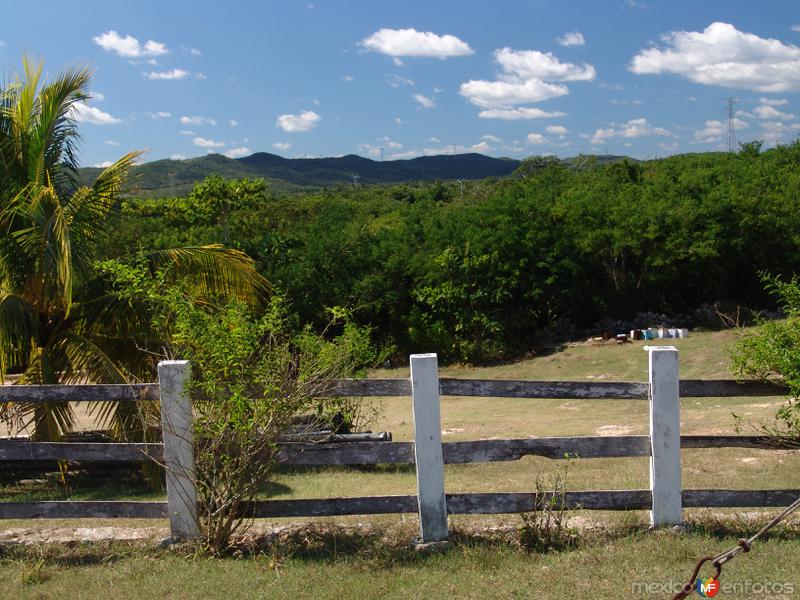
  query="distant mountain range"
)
[{"x": 162, "y": 178}]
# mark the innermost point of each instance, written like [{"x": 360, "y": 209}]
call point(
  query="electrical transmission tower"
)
[{"x": 732, "y": 147}]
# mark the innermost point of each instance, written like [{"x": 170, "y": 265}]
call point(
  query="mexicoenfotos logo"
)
[{"x": 707, "y": 588}]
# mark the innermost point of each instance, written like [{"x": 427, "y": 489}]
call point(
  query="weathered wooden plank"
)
[
  {"x": 82, "y": 451},
  {"x": 79, "y": 393},
  {"x": 352, "y": 453},
  {"x": 730, "y": 441},
  {"x": 714, "y": 388},
  {"x": 84, "y": 509},
  {"x": 320, "y": 437},
  {"x": 551, "y": 447},
  {"x": 565, "y": 390},
  {"x": 738, "y": 498},
  {"x": 371, "y": 387},
  {"x": 331, "y": 507}
]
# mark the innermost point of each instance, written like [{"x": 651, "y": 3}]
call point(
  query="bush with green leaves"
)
[
  {"x": 252, "y": 373},
  {"x": 773, "y": 351}
]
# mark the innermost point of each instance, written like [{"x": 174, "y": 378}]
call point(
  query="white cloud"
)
[
  {"x": 304, "y": 121},
  {"x": 795, "y": 27},
  {"x": 556, "y": 130},
  {"x": 770, "y": 112},
  {"x": 195, "y": 120},
  {"x": 410, "y": 42},
  {"x": 161, "y": 114},
  {"x": 83, "y": 113},
  {"x": 233, "y": 123},
  {"x": 238, "y": 152},
  {"x": 397, "y": 80},
  {"x": 97, "y": 96},
  {"x": 111, "y": 143},
  {"x": 281, "y": 145},
  {"x": 669, "y": 147},
  {"x": 177, "y": 157},
  {"x": 526, "y": 77},
  {"x": 536, "y": 139},
  {"x": 347, "y": 78},
  {"x": 205, "y": 143},
  {"x": 532, "y": 64},
  {"x": 773, "y": 101},
  {"x": 434, "y": 140},
  {"x": 480, "y": 147},
  {"x": 493, "y": 95},
  {"x": 166, "y": 75},
  {"x": 724, "y": 56},
  {"x": 491, "y": 138},
  {"x": 712, "y": 132},
  {"x": 104, "y": 164},
  {"x": 399, "y": 121},
  {"x": 424, "y": 101},
  {"x": 511, "y": 114},
  {"x": 3, "y": 44},
  {"x": 634, "y": 128},
  {"x": 389, "y": 143},
  {"x": 186, "y": 132},
  {"x": 128, "y": 46},
  {"x": 573, "y": 38},
  {"x": 200, "y": 76},
  {"x": 195, "y": 51}
]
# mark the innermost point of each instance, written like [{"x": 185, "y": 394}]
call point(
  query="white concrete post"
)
[
  {"x": 178, "y": 434},
  {"x": 428, "y": 448},
  {"x": 665, "y": 436}
]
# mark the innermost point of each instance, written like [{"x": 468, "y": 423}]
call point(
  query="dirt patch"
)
[{"x": 614, "y": 430}]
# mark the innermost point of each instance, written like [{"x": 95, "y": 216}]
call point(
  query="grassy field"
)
[{"x": 601, "y": 567}]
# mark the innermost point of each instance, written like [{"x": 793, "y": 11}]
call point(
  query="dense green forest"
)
[{"x": 489, "y": 269}]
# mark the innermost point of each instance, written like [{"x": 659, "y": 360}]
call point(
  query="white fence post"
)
[
  {"x": 428, "y": 448},
  {"x": 178, "y": 434},
  {"x": 665, "y": 436}
]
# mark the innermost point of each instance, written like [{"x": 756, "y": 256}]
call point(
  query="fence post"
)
[
  {"x": 665, "y": 436},
  {"x": 178, "y": 434},
  {"x": 428, "y": 448}
]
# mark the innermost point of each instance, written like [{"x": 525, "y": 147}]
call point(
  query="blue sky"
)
[{"x": 324, "y": 78}]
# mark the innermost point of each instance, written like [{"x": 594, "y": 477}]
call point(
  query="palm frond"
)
[
  {"x": 215, "y": 271},
  {"x": 19, "y": 330}
]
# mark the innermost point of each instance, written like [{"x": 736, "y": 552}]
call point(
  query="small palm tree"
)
[{"x": 60, "y": 321}]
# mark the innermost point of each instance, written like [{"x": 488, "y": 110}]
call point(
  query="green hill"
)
[{"x": 176, "y": 177}]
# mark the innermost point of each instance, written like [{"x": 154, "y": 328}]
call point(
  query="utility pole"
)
[{"x": 732, "y": 124}]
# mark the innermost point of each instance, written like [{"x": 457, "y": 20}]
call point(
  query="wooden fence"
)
[{"x": 665, "y": 498}]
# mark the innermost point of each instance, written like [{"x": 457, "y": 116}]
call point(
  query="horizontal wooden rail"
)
[
  {"x": 376, "y": 453},
  {"x": 480, "y": 503},
  {"x": 487, "y": 388},
  {"x": 84, "y": 509},
  {"x": 134, "y": 392}
]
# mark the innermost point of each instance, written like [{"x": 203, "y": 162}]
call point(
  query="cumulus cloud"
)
[
  {"x": 304, "y": 121},
  {"x": 83, "y": 113},
  {"x": 491, "y": 138},
  {"x": 715, "y": 131},
  {"x": 556, "y": 130},
  {"x": 512, "y": 114},
  {"x": 161, "y": 114},
  {"x": 532, "y": 64},
  {"x": 166, "y": 75},
  {"x": 206, "y": 143},
  {"x": 573, "y": 38},
  {"x": 195, "y": 120},
  {"x": 536, "y": 139},
  {"x": 399, "y": 43},
  {"x": 724, "y": 56},
  {"x": 424, "y": 101},
  {"x": 281, "y": 145},
  {"x": 634, "y": 128},
  {"x": 347, "y": 78},
  {"x": 526, "y": 77},
  {"x": 773, "y": 101},
  {"x": 233, "y": 123},
  {"x": 177, "y": 157},
  {"x": 104, "y": 164},
  {"x": 766, "y": 111},
  {"x": 238, "y": 152},
  {"x": 795, "y": 27},
  {"x": 111, "y": 143},
  {"x": 128, "y": 46},
  {"x": 186, "y": 132},
  {"x": 481, "y": 148}
]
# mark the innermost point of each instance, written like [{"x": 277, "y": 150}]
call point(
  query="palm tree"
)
[{"x": 60, "y": 321}]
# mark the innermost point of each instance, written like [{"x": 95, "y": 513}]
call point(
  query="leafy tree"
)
[{"x": 60, "y": 321}]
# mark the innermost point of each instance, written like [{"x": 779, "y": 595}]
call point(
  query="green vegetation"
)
[
  {"x": 494, "y": 269},
  {"x": 60, "y": 318}
]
